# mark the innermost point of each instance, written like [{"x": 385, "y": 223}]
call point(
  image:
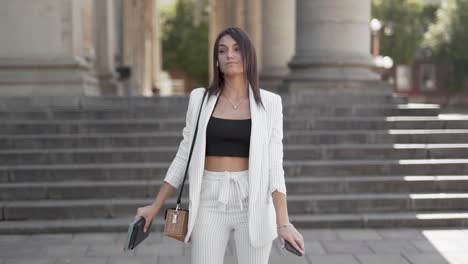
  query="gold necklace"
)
[{"x": 233, "y": 105}]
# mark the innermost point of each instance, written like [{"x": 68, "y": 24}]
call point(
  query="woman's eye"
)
[{"x": 221, "y": 51}]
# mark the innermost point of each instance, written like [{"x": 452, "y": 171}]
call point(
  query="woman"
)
[{"x": 236, "y": 172}]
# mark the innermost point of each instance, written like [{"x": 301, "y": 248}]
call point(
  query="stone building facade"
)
[{"x": 73, "y": 47}]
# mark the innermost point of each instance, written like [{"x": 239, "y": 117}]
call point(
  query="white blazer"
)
[{"x": 266, "y": 173}]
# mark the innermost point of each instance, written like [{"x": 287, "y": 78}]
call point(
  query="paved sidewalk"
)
[{"x": 324, "y": 246}]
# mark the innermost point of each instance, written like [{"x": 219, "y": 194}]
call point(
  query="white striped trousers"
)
[{"x": 224, "y": 208}]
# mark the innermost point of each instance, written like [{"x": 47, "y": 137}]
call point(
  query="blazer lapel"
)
[
  {"x": 200, "y": 145},
  {"x": 206, "y": 113},
  {"x": 258, "y": 135}
]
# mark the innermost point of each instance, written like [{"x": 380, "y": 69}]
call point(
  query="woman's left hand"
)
[{"x": 291, "y": 234}]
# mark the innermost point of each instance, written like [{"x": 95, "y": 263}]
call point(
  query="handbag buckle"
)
[{"x": 175, "y": 214}]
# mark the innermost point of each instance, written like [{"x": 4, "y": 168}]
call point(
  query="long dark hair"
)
[{"x": 249, "y": 60}]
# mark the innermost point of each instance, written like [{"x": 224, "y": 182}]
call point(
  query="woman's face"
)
[{"x": 230, "y": 56}]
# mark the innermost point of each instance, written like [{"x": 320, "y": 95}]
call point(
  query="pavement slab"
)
[
  {"x": 29, "y": 260},
  {"x": 324, "y": 246},
  {"x": 81, "y": 260},
  {"x": 382, "y": 259}
]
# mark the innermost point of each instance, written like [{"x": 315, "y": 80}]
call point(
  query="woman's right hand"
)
[{"x": 148, "y": 212}]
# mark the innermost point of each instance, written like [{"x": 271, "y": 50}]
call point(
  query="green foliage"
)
[
  {"x": 185, "y": 45},
  {"x": 447, "y": 38},
  {"x": 429, "y": 14},
  {"x": 408, "y": 19}
]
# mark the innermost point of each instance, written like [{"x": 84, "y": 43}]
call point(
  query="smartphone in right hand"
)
[{"x": 291, "y": 248}]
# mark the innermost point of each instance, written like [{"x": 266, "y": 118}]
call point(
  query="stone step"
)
[
  {"x": 376, "y": 123},
  {"x": 181, "y": 119},
  {"x": 171, "y": 139},
  {"x": 22, "y": 103},
  {"x": 297, "y": 204},
  {"x": 347, "y": 161},
  {"x": 62, "y": 226},
  {"x": 377, "y": 167},
  {"x": 421, "y": 219},
  {"x": 96, "y": 114},
  {"x": 60, "y": 141},
  {"x": 391, "y": 136},
  {"x": 375, "y": 151},
  {"x": 375, "y": 203},
  {"x": 314, "y": 111},
  {"x": 291, "y": 152},
  {"x": 32, "y": 127},
  {"x": 177, "y": 111},
  {"x": 71, "y": 190},
  {"x": 376, "y": 184},
  {"x": 86, "y": 156},
  {"x": 382, "y": 89},
  {"x": 76, "y": 209},
  {"x": 177, "y": 124},
  {"x": 156, "y": 170},
  {"x": 89, "y": 102}
]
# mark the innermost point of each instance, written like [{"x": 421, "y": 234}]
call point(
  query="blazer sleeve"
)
[
  {"x": 276, "y": 172},
  {"x": 175, "y": 173}
]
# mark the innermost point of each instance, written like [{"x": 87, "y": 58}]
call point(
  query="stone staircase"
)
[{"x": 352, "y": 159}]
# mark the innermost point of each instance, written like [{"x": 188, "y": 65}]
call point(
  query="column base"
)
[
  {"x": 108, "y": 85},
  {"x": 338, "y": 85},
  {"x": 330, "y": 70},
  {"x": 63, "y": 76},
  {"x": 271, "y": 79}
]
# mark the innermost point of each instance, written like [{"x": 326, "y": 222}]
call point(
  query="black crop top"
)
[{"x": 228, "y": 137}]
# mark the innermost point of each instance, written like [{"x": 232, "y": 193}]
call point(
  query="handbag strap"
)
[{"x": 191, "y": 150}]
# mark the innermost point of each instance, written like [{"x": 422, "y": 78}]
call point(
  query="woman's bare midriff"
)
[{"x": 219, "y": 163}]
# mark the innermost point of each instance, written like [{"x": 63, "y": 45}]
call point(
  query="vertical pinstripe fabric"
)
[
  {"x": 265, "y": 172},
  {"x": 214, "y": 223}
]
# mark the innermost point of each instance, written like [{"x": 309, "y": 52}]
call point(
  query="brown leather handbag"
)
[{"x": 176, "y": 219}]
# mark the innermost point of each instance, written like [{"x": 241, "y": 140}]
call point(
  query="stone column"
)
[
  {"x": 332, "y": 44},
  {"x": 156, "y": 62},
  {"x": 105, "y": 46},
  {"x": 139, "y": 48},
  {"x": 278, "y": 40},
  {"x": 44, "y": 49},
  {"x": 238, "y": 10},
  {"x": 253, "y": 26},
  {"x": 245, "y": 14},
  {"x": 131, "y": 39},
  {"x": 217, "y": 22}
]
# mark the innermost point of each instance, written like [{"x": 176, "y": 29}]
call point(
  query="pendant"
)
[{"x": 235, "y": 107}]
